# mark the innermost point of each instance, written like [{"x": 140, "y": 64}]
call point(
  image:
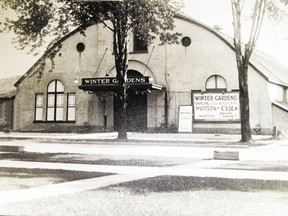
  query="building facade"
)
[
  {"x": 7, "y": 96},
  {"x": 191, "y": 86}
]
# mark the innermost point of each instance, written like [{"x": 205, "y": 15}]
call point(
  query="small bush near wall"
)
[
  {"x": 3, "y": 125},
  {"x": 257, "y": 129},
  {"x": 162, "y": 129}
]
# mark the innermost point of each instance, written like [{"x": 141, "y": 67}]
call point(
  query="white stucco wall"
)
[{"x": 177, "y": 68}]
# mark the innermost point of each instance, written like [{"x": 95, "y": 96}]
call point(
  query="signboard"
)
[
  {"x": 113, "y": 80},
  {"x": 185, "y": 119},
  {"x": 216, "y": 106}
]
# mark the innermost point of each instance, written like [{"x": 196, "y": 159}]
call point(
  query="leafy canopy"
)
[{"x": 37, "y": 20}]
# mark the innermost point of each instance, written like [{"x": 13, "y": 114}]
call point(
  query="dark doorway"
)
[{"x": 136, "y": 107}]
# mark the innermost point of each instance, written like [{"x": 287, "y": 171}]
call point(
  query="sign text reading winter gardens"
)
[
  {"x": 216, "y": 106},
  {"x": 113, "y": 80}
]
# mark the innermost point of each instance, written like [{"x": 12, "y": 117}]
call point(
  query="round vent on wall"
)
[
  {"x": 80, "y": 47},
  {"x": 186, "y": 41}
]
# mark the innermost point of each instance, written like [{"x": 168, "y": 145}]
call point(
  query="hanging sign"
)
[
  {"x": 185, "y": 119},
  {"x": 113, "y": 80}
]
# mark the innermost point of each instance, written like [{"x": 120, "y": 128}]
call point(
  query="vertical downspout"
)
[{"x": 166, "y": 108}]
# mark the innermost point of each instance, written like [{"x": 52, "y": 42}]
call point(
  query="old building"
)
[
  {"x": 7, "y": 95},
  {"x": 191, "y": 86}
]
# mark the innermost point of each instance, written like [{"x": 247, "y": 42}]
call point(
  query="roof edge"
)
[
  {"x": 179, "y": 15},
  {"x": 46, "y": 53},
  {"x": 219, "y": 35},
  {"x": 280, "y": 105}
]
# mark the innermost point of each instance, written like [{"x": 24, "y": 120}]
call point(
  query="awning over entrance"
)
[{"x": 111, "y": 84}]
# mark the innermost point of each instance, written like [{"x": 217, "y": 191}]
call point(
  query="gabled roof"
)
[{"x": 8, "y": 90}]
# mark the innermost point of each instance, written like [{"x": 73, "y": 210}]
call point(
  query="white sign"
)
[
  {"x": 185, "y": 119},
  {"x": 216, "y": 106}
]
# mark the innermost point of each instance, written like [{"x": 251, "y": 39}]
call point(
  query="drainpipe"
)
[
  {"x": 166, "y": 104},
  {"x": 166, "y": 108}
]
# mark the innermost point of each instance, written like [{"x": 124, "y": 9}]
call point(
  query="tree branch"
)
[{"x": 258, "y": 16}]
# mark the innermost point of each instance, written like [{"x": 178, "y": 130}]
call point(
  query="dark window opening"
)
[{"x": 140, "y": 45}]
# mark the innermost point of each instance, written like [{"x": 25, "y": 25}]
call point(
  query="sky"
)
[{"x": 273, "y": 39}]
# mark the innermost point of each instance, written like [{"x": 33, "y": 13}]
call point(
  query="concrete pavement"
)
[
  {"x": 200, "y": 146},
  {"x": 165, "y": 145},
  {"x": 123, "y": 174},
  {"x": 189, "y": 137}
]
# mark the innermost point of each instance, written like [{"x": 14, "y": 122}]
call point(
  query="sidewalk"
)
[
  {"x": 156, "y": 145},
  {"x": 198, "y": 146},
  {"x": 171, "y": 137}
]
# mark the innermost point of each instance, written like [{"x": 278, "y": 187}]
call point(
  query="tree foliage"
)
[{"x": 37, "y": 20}]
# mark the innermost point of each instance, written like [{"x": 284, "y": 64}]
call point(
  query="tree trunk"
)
[
  {"x": 121, "y": 44},
  {"x": 244, "y": 104},
  {"x": 242, "y": 67},
  {"x": 122, "y": 130}
]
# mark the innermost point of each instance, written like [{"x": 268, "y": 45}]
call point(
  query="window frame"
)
[
  {"x": 64, "y": 104},
  {"x": 39, "y": 107},
  {"x": 216, "y": 89},
  {"x": 71, "y": 106},
  {"x": 139, "y": 46},
  {"x": 56, "y": 105}
]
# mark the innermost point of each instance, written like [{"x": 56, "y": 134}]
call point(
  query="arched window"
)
[
  {"x": 59, "y": 107},
  {"x": 55, "y": 101},
  {"x": 216, "y": 82}
]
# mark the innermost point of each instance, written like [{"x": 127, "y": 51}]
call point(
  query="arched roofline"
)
[
  {"x": 178, "y": 15},
  {"x": 229, "y": 42},
  {"x": 47, "y": 52}
]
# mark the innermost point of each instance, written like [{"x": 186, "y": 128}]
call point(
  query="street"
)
[{"x": 146, "y": 178}]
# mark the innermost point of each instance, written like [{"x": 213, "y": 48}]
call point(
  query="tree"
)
[
  {"x": 39, "y": 19},
  {"x": 243, "y": 55}
]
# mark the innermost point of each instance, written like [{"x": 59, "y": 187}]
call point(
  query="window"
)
[
  {"x": 55, "y": 101},
  {"x": 39, "y": 107},
  {"x": 216, "y": 82},
  {"x": 71, "y": 107},
  {"x": 59, "y": 107},
  {"x": 139, "y": 44}
]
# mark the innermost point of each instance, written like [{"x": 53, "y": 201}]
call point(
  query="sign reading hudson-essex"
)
[
  {"x": 216, "y": 106},
  {"x": 113, "y": 80}
]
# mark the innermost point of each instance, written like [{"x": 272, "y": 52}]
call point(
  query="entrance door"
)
[
  {"x": 136, "y": 111},
  {"x": 136, "y": 108}
]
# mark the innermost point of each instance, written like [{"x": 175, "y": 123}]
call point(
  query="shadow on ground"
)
[{"x": 183, "y": 183}]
